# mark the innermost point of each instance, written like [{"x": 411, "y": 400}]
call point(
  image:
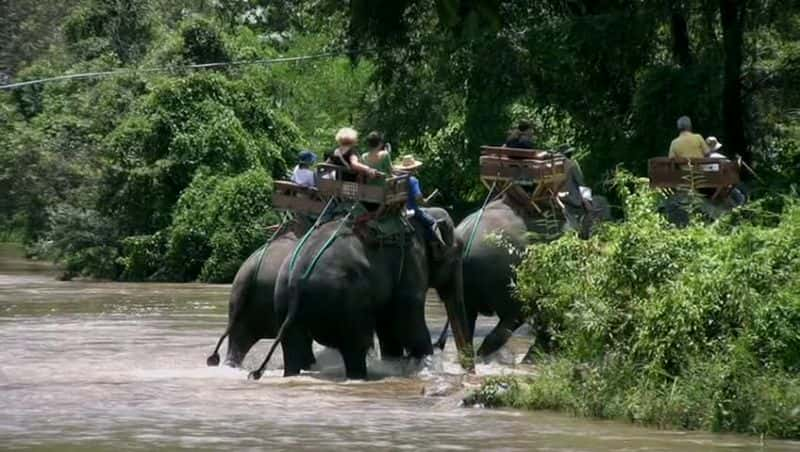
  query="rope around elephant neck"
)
[
  {"x": 301, "y": 244},
  {"x": 326, "y": 245},
  {"x": 263, "y": 249},
  {"x": 468, "y": 248}
]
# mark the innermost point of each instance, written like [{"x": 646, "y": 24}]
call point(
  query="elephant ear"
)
[{"x": 448, "y": 232}]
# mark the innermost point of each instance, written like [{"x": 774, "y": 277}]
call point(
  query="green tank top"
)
[{"x": 384, "y": 165}]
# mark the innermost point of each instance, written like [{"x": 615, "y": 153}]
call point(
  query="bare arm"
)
[{"x": 357, "y": 166}]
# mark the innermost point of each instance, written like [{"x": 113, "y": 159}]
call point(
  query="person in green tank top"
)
[{"x": 378, "y": 158}]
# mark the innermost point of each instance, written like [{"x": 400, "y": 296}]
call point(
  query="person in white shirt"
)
[{"x": 302, "y": 174}]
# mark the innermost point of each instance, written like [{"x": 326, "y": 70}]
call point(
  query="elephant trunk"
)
[{"x": 456, "y": 314}]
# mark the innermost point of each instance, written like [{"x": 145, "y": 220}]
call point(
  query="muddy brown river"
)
[{"x": 110, "y": 366}]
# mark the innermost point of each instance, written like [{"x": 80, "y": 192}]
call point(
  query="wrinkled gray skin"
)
[
  {"x": 251, "y": 310},
  {"x": 356, "y": 290},
  {"x": 488, "y": 273}
]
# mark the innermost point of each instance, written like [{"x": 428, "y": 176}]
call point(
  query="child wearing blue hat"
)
[{"x": 302, "y": 173}]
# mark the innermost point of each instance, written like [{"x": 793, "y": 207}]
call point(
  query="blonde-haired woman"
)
[{"x": 346, "y": 155}]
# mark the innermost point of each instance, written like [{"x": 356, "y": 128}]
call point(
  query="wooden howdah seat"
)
[
  {"x": 721, "y": 175},
  {"x": 392, "y": 195},
  {"x": 297, "y": 198},
  {"x": 543, "y": 172}
]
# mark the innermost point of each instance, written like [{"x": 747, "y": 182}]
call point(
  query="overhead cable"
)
[{"x": 117, "y": 72}]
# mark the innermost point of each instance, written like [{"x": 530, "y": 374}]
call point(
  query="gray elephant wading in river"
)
[
  {"x": 488, "y": 265},
  {"x": 342, "y": 290},
  {"x": 251, "y": 310}
]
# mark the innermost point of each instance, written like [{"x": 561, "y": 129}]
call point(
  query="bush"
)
[
  {"x": 218, "y": 222},
  {"x": 82, "y": 242},
  {"x": 696, "y": 327}
]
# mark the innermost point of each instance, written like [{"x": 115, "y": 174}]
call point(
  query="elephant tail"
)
[{"x": 294, "y": 305}]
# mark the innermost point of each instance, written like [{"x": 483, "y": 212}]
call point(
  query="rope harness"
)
[
  {"x": 263, "y": 250},
  {"x": 478, "y": 220},
  {"x": 296, "y": 251},
  {"x": 325, "y": 246}
]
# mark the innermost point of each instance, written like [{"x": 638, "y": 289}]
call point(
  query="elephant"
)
[
  {"x": 488, "y": 266},
  {"x": 678, "y": 206},
  {"x": 251, "y": 308},
  {"x": 340, "y": 289}
]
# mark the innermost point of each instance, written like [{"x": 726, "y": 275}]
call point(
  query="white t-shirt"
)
[{"x": 303, "y": 176}]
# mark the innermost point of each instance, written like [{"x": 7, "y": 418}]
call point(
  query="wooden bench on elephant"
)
[
  {"x": 721, "y": 175},
  {"x": 390, "y": 197},
  {"x": 297, "y": 198},
  {"x": 543, "y": 171}
]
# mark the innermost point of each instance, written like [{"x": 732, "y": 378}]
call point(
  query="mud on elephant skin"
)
[{"x": 342, "y": 290}]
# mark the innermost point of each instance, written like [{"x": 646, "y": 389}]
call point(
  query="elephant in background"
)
[
  {"x": 488, "y": 266},
  {"x": 251, "y": 307},
  {"x": 341, "y": 290}
]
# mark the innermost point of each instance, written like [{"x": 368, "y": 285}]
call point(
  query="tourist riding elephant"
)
[
  {"x": 342, "y": 288},
  {"x": 488, "y": 264},
  {"x": 251, "y": 310}
]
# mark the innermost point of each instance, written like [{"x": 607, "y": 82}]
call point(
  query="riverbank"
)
[
  {"x": 694, "y": 328},
  {"x": 709, "y": 396},
  {"x": 14, "y": 261}
]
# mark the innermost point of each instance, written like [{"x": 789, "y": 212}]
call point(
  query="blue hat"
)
[{"x": 307, "y": 157}]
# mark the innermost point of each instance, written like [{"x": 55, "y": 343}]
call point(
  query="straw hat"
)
[
  {"x": 714, "y": 144},
  {"x": 408, "y": 163}
]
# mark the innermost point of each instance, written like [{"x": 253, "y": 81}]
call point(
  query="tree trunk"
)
[
  {"x": 681, "y": 49},
  {"x": 732, "y": 15}
]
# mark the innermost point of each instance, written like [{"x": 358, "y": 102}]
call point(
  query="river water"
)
[{"x": 96, "y": 366}]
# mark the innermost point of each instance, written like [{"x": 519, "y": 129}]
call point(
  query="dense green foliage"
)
[
  {"x": 167, "y": 174},
  {"x": 694, "y": 327},
  {"x": 162, "y": 176},
  {"x": 439, "y": 78}
]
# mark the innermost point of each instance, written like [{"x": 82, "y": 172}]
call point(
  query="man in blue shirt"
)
[{"x": 409, "y": 165}]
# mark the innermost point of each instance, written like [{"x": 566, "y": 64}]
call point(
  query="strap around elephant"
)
[
  {"x": 471, "y": 239},
  {"x": 326, "y": 245},
  {"x": 301, "y": 244},
  {"x": 263, "y": 249}
]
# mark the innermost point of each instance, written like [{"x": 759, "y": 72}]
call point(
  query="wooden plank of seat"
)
[
  {"x": 518, "y": 153},
  {"x": 296, "y": 198},
  {"x": 699, "y": 173}
]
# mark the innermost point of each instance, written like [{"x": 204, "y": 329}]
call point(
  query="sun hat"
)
[
  {"x": 714, "y": 144},
  {"x": 307, "y": 157},
  {"x": 408, "y": 163}
]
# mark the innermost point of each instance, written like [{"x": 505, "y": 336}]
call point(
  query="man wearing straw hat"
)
[{"x": 408, "y": 164}]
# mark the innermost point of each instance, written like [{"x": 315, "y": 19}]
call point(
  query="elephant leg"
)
[
  {"x": 472, "y": 317},
  {"x": 391, "y": 345},
  {"x": 355, "y": 363},
  {"x": 240, "y": 341},
  {"x": 308, "y": 352},
  {"x": 442, "y": 341},
  {"x": 416, "y": 330},
  {"x": 499, "y": 335},
  {"x": 296, "y": 348}
]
